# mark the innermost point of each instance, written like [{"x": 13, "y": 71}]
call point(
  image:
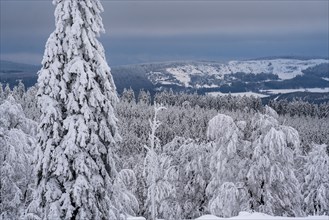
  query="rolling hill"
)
[{"x": 271, "y": 77}]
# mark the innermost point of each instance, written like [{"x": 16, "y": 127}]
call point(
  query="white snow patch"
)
[
  {"x": 283, "y": 68},
  {"x": 135, "y": 218},
  {"x": 238, "y": 94},
  {"x": 180, "y": 75},
  {"x": 169, "y": 83},
  {"x": 183, "y": 73},
  {"x": 285, "y": 91},
  {"x": 206, "y": 86},
  {"x": 156, "y": 77},
  {"x": 325, "y": 78},
  {"x": 208, "y": 217}
]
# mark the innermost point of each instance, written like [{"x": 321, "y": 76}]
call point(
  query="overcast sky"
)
[{"x": 147, "y": 31}]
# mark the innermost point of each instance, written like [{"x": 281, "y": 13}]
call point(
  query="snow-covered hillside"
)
[
  {"x": 261, "y": 77},
  {"x": 183, "y": 74},
  {"x": 283, "y": 68}
]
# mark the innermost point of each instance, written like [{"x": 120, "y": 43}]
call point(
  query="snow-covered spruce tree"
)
[
  {"x": 228, "y": 167},
  {"x": 17, "y": 142},
  {"x": 18, "y": 92},
  {"x": 316, "y": 185},
  {"x": 2, "y": 94},
  {"x": 144, "y": 97},
  {"x": 7, "y": 91},
  {"x": 271, "y": 181},
  {"x": 30, "y": 105},
  {"x": 77, "y": 131},
  {"x": 128, "y": 95}
]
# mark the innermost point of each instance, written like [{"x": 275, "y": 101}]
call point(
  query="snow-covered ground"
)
[
  {"x": 257, "y": 215},
  {"x": 136, "y": 218},
  {"x": 271, "y": 92},
  {"x": 238, "y": 94},
  {"x": 181, "y": 75},
  {"x": 284, "y": 91},
  {"x": 251, "y": 216}
]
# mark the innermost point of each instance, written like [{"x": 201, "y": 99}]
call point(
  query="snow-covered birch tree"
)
[
  {"x": 155, "y": 167},
  {"x": 151, "y": 162},
  {"x": 272, "y": 183},
  {"x": 228, "y": 167},
  {"x": 17, "y": 142},
  {"x": 190, "y": 172},
  {"x": 77, "y": 131}
]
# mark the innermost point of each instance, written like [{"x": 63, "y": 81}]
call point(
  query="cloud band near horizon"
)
[{"x": 141, "y": 31}]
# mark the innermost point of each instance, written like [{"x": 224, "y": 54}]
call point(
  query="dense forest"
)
[{"x": 189, "y": 155}]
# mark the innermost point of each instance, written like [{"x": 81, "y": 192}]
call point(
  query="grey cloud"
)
[
  {"x": 158, "y": 30},
  {"x": 178, "y": 17},
  {"x": 215, "y": 16}
]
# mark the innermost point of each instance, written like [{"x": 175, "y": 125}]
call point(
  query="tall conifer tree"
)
[{"x": 77, "y": 131}]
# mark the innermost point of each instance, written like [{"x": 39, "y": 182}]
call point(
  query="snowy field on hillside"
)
[
  {"x": 251, "y": 216},
  {"x": 271, "y": 92},
  {"x": 283, "y": 68},
  {"x": 284, "y": 91},
  {"x": 248, "y": 94}
]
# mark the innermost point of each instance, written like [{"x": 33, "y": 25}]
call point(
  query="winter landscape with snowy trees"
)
[{"x": 73, "y": 148}]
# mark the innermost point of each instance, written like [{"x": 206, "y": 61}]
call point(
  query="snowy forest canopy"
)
[{"x": 218, "y": 155}]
